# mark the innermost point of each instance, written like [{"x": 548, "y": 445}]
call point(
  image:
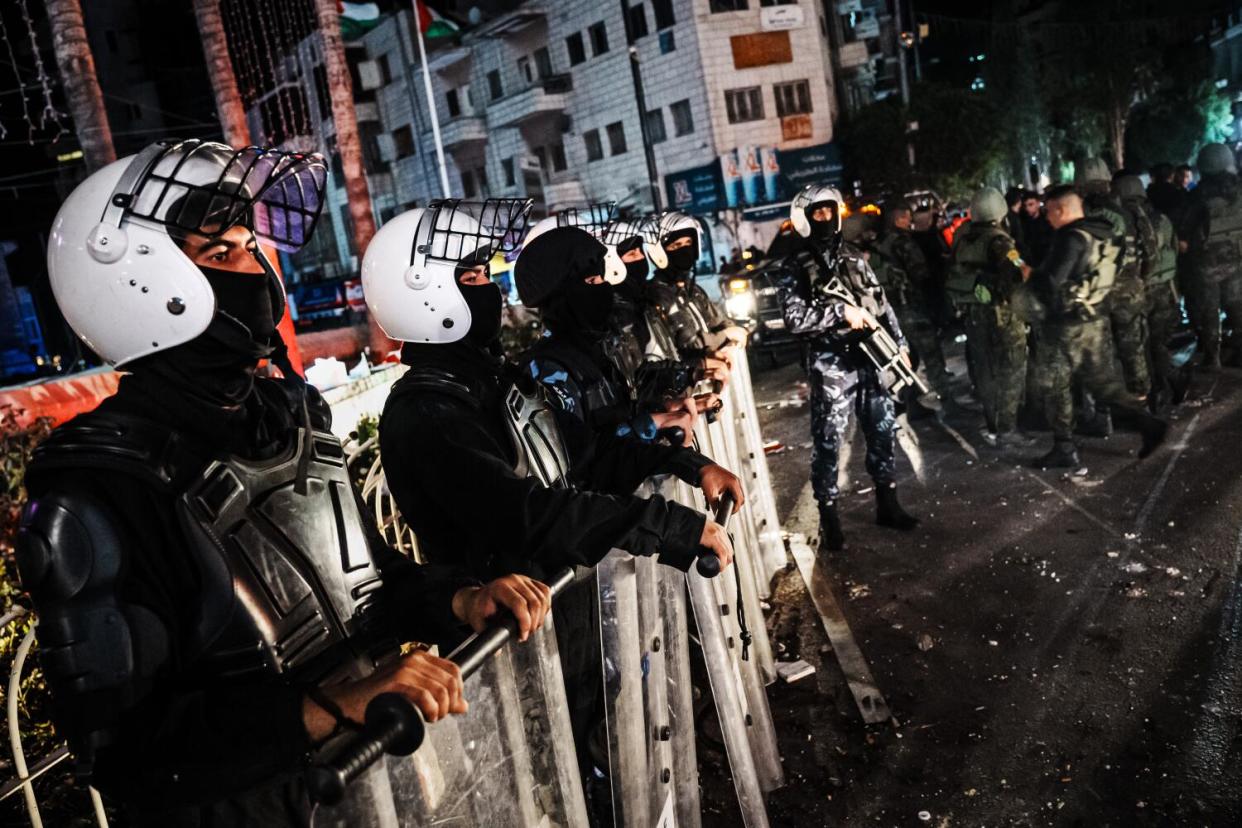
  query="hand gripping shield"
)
[{"x": 114, "y": 253}]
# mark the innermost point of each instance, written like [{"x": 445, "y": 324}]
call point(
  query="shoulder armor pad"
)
[
  {"x": 429, "y": 380},
  {"x": 131, "y": 445}
]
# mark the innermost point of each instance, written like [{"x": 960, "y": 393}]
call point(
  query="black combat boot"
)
[
  {"x": 888, "y": 511},
  {"x": 1154, "y": 431},
  {"x": 830, "y": 534},
  {"x": 1064, "y": 455}
]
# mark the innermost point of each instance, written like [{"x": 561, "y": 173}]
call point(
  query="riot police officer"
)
[
  {"x": 1212, "y": 229},
  {"x": 985, "y": 269},
  {"x": 840, "y": 378},
  {"x": 212, "y": 603}
]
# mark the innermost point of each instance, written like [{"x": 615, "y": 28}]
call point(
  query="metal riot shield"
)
[{"x": 509, "y": 762}]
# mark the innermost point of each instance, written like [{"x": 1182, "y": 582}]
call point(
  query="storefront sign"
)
[
  {"x": 696, "y": 190},
  {"x": 757, "y": 179},
  {"x": 794, "y": 127},
  {"x": 761, "y": 49},
  {"x": 780, "y": 18}
]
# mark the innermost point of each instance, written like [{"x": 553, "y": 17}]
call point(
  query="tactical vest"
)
[
  {"x": 1222, "y": 250},
  {"x": 1141, "y": 241},
  {"x": 287, "y": 577},
  {"x": 1101, "y": 275},
  {"x": 971, "y": 259},
  {"x": 888, "y": 270},
  {"x": 1164, "y": 267}
]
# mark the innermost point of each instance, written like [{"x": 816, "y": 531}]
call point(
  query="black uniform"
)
[
  {"x": 696, "y": 323},
  {"x": 150, "y": 517}
]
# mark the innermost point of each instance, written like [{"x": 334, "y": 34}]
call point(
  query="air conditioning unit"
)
[
  {"x": 387, "y": 147},
  {"x": 369, "y": 75},
  {"x": 531, "y": 162}
]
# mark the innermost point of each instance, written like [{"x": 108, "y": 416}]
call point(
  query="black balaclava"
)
[
  {"x": 822, "y": 232},
  {"x": 635, "y": 272},
  {"x": 684, "y": 259},
  {"x": 485, "y": 306},
  {"x": 549, "y": 275}
]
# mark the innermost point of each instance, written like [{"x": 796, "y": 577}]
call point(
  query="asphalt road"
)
[{"x": 1056, "y": 649}]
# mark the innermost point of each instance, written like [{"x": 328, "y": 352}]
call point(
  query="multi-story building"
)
[{"x": 539, "y": 101}]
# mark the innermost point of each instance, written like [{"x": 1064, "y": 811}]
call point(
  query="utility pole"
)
[
  {"x": 898, "y": 30},
  {"x": 640, "y": 100}
]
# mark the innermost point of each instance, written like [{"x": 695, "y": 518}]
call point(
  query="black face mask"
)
[
  {"x": 683, "y": 259},
  {"x": 484, "y": 302},
  {"x": 246, "y": 300},
  {"x": 635, "y": 279}
]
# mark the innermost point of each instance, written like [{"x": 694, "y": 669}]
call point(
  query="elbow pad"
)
[{"x": 97, "y": 653}]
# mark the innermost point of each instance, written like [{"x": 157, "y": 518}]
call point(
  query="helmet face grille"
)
[
  {"x": 593, "y": 218},
  {"x": 207, "y": 188},
  {"x": 469, "y": 233}
]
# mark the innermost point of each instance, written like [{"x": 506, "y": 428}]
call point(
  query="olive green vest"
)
[
  {"x": 1223, "y": 248},
  {"x": 1102, "y": 267},
  {"x": 970, "y": 261},
  {"x": 1164, "y": 268},
  {"x": 892, "y": 276}
]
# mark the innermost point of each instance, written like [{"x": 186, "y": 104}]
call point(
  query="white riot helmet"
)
[
  {"x": 666, "y": 227},
  {"x": 595, "y": 220},
  {"x": 805, "y": 203},
  {"x": 409, "y": 271},
  {"x": 114, "y": 256}
]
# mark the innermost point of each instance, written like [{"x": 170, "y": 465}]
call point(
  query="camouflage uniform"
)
[
  {"x": 1075, "y": 343},
  {"x": 1164, "y": 312},
  {"x": 840, "y": 378},
  {"x": 1127, "y": 302},
  {"x": 903, "y": 272},
  {"x": 1213, "y": 231},
  {"x": 982, "y": 276}
]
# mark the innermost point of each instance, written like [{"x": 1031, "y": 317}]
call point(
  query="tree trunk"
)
[
  {"x": 345, "y": 118},
  {"x": 77, "y": 73},
  {"x": 220, "y": 69}
]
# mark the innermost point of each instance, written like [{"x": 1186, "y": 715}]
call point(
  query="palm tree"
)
[
  {"x": 77, "y": 73},
  {"x": 220, "y": 69},
  {"x": 348, "y": 145}
]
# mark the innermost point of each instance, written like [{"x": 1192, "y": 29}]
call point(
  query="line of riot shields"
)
[{"x": 511, "y": 760}]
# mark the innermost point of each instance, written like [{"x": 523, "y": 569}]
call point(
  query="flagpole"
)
[{"x": 431, "y": 102}]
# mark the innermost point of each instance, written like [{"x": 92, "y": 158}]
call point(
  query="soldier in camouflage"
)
[
  {"x": 841, "y": 379},
  {"x": 1127, "y": 301},
  {"x": 1074, "y": 342},
  {"x": 903, "y": 272},
  {"x": 1163, "y": 309},
  {"x": 1212, "y": 230},
  {"x": 984, "y": 271}
]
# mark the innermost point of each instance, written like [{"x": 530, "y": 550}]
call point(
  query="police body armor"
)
[
  {"x": 888, "y": 270},
  {"x": 1087, "y": 296},
  {"x": 536, "y": 438},
  {"x": 1222, "y": 250},
  {"x": 1164, "y": 267},
  {"x": 1141, "y": 240},
  {"x": 687, "y": 320},
  {"x": 971, "y": 262}
]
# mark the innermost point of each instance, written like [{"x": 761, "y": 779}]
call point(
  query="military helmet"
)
[
  {"x": 987, "y": 205},
  {"x": 1129, "y": 186},
  {"x": 1216, "y": 158},
  {"x": 1091, "y": 170}
]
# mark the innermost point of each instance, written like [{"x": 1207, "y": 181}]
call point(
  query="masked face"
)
[
  {"x": 483, "y": 298},
  {"x": 682, "y": 247},
  {"x": 636, "y": 268},
  {"x": 822, "y": 217}
]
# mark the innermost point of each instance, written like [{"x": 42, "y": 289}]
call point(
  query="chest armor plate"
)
[
  {"x": 536, "y": 438},
  {"x": 289, "y": 574}
]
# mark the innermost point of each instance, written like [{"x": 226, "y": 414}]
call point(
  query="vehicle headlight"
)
[{"x": 740, "y": 305}]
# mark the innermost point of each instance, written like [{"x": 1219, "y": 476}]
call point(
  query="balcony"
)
[
  {"x": 463, "y": 132},
  {"x": 548, "y": 98}
]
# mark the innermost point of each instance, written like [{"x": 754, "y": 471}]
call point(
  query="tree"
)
[
  {"x": 229, "y": 106},
  {"x": 82, "y": 92},
  {"x": 348, "y": 145}
]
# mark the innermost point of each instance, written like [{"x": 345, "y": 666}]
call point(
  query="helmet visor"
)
[{"x": 469, "y": 233}]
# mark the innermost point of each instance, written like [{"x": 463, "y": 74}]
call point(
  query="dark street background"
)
[{"x": 1079, "y": 659}]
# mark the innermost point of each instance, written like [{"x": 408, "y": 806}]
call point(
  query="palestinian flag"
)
[
  {"x": 357, "y": 18},
  {"x": 432, "y": 25}
]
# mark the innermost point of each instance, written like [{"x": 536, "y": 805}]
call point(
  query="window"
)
[
  {"x": 594, "y": 149},
  {"x": 683, "y": 121},
  {"x": 493, "y": 84},
  {"x": 599, "y": 38},
  {"x": 655, "y": 126},
  {"x": 507, "y": 165},
  {"x": 558, "y": 156},
  {"x": 577, "y": 52},
  {"x": 385, "y": 68},
  {"x": 543, "y": 63},
  {"x": 616, "y": 138},
  {"x": 467, "y": 184},
  {"x": 541, "y": 155},
  {"x": 744, "y": 104},
  {"x": 525, "y": 70},
  {"x": 667, "y": 42},
  {"x": 481, "y": 175},
  {"x": 403, "y": 141},
  {"x": 663, "y": 11},
  {"x": 792, "y": 98},
  {"x": 778, "y": 2},
  {"x": 638, "y": 22},
  {"x": 454, "y": 105},
  {"x": 728, "y": 5}
]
